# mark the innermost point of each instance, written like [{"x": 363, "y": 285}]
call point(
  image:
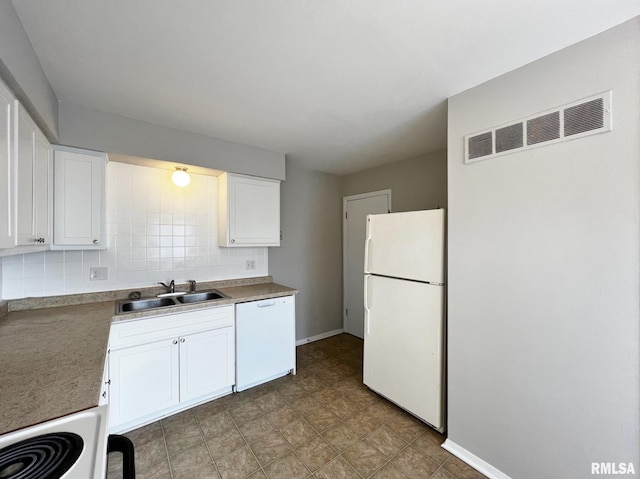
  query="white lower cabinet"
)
[{"x": 161, "y": 365}]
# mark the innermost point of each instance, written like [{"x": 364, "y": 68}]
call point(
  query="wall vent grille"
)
[{"x": 581, "y": 118}]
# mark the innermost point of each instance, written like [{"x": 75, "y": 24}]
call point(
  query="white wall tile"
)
[{"x": 155, "y": 232}]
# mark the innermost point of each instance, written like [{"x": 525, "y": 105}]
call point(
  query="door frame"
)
[{"x": 345, "y": 200}]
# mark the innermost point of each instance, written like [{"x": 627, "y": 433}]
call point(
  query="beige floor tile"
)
[
  {"x": 189, "y": 460},
  {"x": 207, "y": 472},
  {"x": 145, "y": 434},
  {"x": 407, "y": 427},
  {"x": 442, "y": 473},
  {"x": 340, "y": 437},
  {"x": 297, "y": 432},
  {"x": 208, "y": 409},
  {"x": 386, "y": 441},
  {"x": 287, "y": 467},
  {"x": 388, "y": 471},
  {"x": 225, "y": 443},
  {"x": 323, "y": 423},
  {"x": 338, "y": 468},
  {"x": 252, "y": 430},
  {"x": 216, "y": 424},
  {"x": 245, "y": 411},
  {"x": 315, "y": 453},
  {"x": 414, "y": 464},
  {"x": 461, "y": 470},
  {"x": 149, "y": 453},
  {"x": 238, "y": 464},
  {"x": 271, "y": 401},
  {"x": 160, "y": 470},
  {"x": 362, "y": 424},
  {"x": 283, "y": 416},
  {"x": 322, "y": 418},
  {"x": 343, "y": 407},
  {"x": 430, "y": 445},
  {"x": 364, "y": 458},
  {"x": 269, "y": 447}
]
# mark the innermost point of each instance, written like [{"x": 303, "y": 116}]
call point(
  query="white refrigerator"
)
[{"x": 404, "y": 291}]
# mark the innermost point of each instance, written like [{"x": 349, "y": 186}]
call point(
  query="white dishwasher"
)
[{"x": 265, "y": 341}]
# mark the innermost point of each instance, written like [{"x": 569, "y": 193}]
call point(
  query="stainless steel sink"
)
[
  {"x": 132, "y": 305},
  {"x": 127, "y": 306},
  {"x": 203, "y": 296}
]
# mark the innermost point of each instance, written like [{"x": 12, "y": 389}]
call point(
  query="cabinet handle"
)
[
  {"x": 266, "y": 305},
  {"x": 95, "y": 241},
  {"x": 104, "y": 394},
  {"x": 182, "y": 340},
  {"x": 175, "y": 341},
  {"x": 233, "y": 241}
]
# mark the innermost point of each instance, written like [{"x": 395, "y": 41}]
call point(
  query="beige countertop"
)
[{"x": 52, "y": 358}]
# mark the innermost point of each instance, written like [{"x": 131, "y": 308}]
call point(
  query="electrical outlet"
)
[
  {"x": 251, "y": 264},
  {"x": 98, "y": 273}
]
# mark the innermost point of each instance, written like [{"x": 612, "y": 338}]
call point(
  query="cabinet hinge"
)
[
  {"x": 345, "y": 215},
  {"x": 346, "y": 311}
]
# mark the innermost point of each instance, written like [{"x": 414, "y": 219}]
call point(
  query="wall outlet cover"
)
[
  {"x": 251, "y": 264},
  {"x": 98, "y": 273}
]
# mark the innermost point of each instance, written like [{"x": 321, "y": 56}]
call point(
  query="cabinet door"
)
[
  {"x": 252, "y": 211},
  {"x": 25, "y": 134},
  {"x": 43, "y": 190},
  {"x": 78, "y": 200},
  {"x": 206, "y": 362},
  {"x": 144, "y": 381},
  {"x": 7, "y": 230}
]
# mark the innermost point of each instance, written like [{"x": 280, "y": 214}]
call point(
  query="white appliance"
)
[
  {"x": 265, "y": 341},
  {"x": 69, "y": 447},
  {"x": 404, "y": 294}
]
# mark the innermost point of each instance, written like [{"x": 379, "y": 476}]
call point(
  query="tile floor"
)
[{"x": 321, "y": 424}]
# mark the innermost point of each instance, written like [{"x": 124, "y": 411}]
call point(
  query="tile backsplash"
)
[{"x": 156, "y": 231}]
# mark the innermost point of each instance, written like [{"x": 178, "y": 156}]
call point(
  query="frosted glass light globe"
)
[{"x": 180, "y": 177}]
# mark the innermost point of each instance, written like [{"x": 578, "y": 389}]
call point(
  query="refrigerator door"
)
[
  {"x": 406, "y": 245},
  {"x": 403, "y": 345}
]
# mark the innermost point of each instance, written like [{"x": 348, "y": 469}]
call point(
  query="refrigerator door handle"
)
[
  {"x": 366, "y": 247},
  {"x": 366, "y": 304}
]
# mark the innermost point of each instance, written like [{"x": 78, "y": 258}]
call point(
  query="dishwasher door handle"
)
[{"x": 266, "y": 305}]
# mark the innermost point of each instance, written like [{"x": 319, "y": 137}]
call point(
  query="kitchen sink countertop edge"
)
[{"x": 53, "y": 357}]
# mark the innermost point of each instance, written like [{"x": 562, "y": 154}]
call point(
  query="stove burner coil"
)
[{"x": 48, "y": 456}]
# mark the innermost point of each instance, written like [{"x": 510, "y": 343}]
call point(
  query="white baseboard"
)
[
  {"x": 473, "y": 460},
  {"x": 318, "y": 337}
]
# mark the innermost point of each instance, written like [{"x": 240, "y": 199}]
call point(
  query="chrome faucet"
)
[
  {"x": 171, "y": 288},
  {"x": 192, "y": 288}
]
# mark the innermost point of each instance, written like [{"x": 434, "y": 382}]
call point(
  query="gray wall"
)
[
  {"x": 310, "y": 255},
  {"x": 543, "y": 279},
  {"x": 96, "y": 130},
  {"x": 22, "y": 72},
  {"x": 416, "y": 184}
]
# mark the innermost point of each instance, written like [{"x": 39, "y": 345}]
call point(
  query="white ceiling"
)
[{"x": 337, "y": 85}]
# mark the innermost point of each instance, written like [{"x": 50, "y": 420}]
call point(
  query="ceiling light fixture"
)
[{"x": 180, "y": 177}]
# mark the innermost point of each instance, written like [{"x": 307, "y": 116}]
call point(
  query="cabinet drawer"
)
[{"x": 144, "y": 330}]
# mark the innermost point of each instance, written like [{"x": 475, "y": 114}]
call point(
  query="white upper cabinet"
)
[
  {"x": 79, "y": 199},
  {"x": 7, "y": 227},
  {"x": 248, "y": 211},
  {"x": 33, "y": 181}
]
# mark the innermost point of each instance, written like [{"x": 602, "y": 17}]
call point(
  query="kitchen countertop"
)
[{"x": 52, "y": 359}]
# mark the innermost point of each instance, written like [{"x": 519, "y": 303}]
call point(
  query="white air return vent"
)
[
  {"x": 543, "y": 128},
  {"x": 509, "y": 137},
  {"x": 480, "y": 145},
  {"x": 574, "y": 120}
]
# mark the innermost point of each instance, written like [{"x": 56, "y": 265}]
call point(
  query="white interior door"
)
[{"x": 356, "y": 208}]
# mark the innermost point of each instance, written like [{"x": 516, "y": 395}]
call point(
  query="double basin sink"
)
[{"x": 132, "y": 305}]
